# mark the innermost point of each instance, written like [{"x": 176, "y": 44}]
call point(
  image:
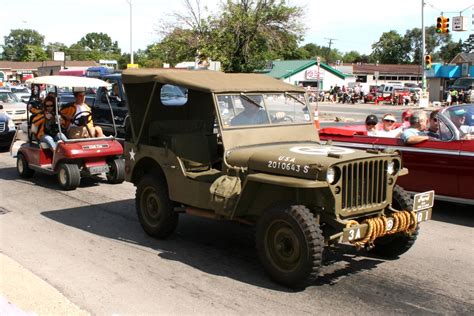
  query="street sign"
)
[
  {"x": 318, "y": 60},
  {"x": 459, "y": 23},
  {"x": 58, "y": 56}
]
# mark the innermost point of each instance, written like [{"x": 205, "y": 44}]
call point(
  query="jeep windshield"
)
[{"x": 262, "y": 109}]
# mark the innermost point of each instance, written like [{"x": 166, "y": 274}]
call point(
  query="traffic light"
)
[
  {"x": 428, "y": 61},
  {"x": 442, "y": 24}
]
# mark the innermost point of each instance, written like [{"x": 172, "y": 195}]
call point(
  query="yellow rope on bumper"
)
[{"x": 403, "y": 221}]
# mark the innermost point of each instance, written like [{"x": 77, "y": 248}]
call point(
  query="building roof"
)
[
  {"x": 33, "y": 65},
  {"x": 283, "y": 69},
  {"x": 405, "y": 69},
  {"x": 209, "y": 81},
  {"x": 463, "y": 58}
]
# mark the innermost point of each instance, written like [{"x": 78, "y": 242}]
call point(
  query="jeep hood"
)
[{"x": 304, "y": 160}]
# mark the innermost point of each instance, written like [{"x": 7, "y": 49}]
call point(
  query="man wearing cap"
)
[
  {"x": 71, "y": 114},
  {"x": 458, "y": 117},
  {"x": 388, "y": 127},
  {"x": 371, "y": 122},
  {"x": 416, "y": 133}
]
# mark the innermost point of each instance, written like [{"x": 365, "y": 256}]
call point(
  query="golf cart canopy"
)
[
  {"x": 68, "y": 81},
  {"x": 209, "y": 81}
]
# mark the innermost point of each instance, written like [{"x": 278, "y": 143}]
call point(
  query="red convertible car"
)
[{"x": 445, "y": 165}]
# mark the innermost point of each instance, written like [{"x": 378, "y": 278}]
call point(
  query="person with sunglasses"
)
[
  {"x": 389, "y": 128},
  {"x": 433, "y": 130},
  {"x": 45, "y": 125}
]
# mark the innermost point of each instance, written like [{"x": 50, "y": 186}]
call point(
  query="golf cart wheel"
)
[
  {"x": 392, "y": 246},
  {"x": 154, "y": 208},
  {"x": 69, "y": 176},
  {"x": 290, "y": 245},
  {"x": 22, "y": 167},
  {"x": 116, "y": 172}
]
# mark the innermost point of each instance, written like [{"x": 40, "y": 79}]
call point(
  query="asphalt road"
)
[{"x": 89, "y": 246}]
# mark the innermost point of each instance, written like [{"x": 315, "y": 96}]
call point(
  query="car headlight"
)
[
  {"x": 391, "y": 167},
  {"x": 11, "y": 125},
  {"x": 331, "y": 175}
]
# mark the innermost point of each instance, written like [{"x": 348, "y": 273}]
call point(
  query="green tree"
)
[
  {"x": 242, "y": 37},
  {"x": 95, "y": 46},
  {"x": 449, "y": 51},
  {"x": 468, "y": 45},
  {"x": 250, "y": 32},
  {"x": 433, "y": 42},
  {"x": 33, "y": 53},
  {"x": 391, "y": 49},
  {"x": 23, "y": 44}
]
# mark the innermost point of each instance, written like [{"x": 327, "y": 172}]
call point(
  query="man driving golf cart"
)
[{"x": 76, "y": 118}]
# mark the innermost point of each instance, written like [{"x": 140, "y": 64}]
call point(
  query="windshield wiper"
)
[
  {"x": 246, "y": 98},
  {"x": 295, "y": 98}
]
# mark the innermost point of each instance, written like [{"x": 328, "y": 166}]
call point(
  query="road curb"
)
[{"x": 24, "y": 293}]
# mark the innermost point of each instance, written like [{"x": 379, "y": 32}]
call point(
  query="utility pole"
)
[
  {"x": 131, "y": 48},
  {"x": 329, "y": 47},
  {"x": 423, "y": 48}
]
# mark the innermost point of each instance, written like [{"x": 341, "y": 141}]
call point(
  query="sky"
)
[{"x": 354, "y": 25}]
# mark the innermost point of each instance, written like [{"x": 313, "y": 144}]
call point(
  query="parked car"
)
[
  {"x": 7, "y": 129},
  {"x": 242, "y": 147},
  {"x": 444, "y": 165},
  {"x": 13, "y": 106},
  {"x": 23, "y": 93}
]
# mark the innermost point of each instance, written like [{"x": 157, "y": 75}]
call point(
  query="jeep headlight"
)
[
  {"x": 11, "y": 125},
  {"x": 331, "y": 175},
  {"x": 391, "y": 167}
]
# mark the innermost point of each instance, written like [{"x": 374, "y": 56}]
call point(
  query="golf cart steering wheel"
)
[{"x": 81, "y": 118}]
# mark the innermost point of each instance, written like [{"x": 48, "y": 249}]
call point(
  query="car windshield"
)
[
  {"x": 19, "y": 90},
  {"x": 263, "y": 109},
  {"x": 8, "y": 97}
]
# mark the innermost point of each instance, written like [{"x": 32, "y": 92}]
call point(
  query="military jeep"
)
[{"x": 243, "y": 147}]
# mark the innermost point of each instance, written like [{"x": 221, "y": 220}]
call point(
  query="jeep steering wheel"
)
[{"x": 78, "y": 118}]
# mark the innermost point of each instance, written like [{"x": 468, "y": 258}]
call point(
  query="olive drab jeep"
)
[{"x": 243, "y": 147}]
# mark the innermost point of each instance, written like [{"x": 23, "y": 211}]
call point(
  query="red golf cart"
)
[{"x": 73, "y": 158}]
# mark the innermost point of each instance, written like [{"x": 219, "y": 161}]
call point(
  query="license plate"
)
[
  {"x": 423, "y": 215},
  {"x": 422, "y": 201},
  {"x": 98, "y": 169}
]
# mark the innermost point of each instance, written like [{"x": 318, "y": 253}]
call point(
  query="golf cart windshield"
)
[{"x": 263, "y": 109}]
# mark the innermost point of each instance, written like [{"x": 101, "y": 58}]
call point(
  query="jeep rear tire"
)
[
  {"x": 392, "y": 246},
  {"x": 116, "y": 172},
  {"x": 22, "y": 167},
  {"x": 154, "y": 208},
  {"x": 290, "y": 245},
  {"x": 69, "y": 176}
]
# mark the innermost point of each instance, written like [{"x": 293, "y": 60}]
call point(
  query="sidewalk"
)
[{"x": 23, "y": 293}]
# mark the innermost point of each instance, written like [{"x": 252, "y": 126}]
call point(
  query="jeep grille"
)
[
  {"x": 2, "y": 127},
  {"x": 364, "y": 184}
]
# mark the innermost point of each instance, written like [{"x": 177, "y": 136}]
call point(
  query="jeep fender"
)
[{"x": 259, "y": 188}]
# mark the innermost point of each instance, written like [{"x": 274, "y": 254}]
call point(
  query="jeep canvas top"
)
[{"x": 243, "y": 147}]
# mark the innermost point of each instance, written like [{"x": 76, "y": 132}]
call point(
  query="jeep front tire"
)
[
  {"x": 154, "y": 208},
  {"x": 290, "y": 245}
]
